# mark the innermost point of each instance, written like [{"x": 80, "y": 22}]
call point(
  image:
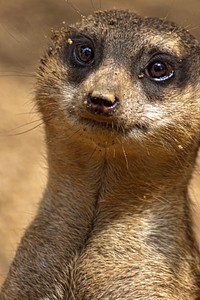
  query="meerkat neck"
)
[{"x": 109, "y": 183}]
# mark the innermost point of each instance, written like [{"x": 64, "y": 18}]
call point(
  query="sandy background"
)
[{"x": 24, "y": 28}]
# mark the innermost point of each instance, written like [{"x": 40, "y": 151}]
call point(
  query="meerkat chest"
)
[{"x": 117, "y": 266}]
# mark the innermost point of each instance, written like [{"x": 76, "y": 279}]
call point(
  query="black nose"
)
[{"x": 100, "y": 104}]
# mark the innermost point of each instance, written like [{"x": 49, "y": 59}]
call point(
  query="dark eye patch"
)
[{"x": 81, "y": 54}]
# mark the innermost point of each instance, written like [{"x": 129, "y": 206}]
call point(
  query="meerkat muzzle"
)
[{"x": 99, "y": 103}]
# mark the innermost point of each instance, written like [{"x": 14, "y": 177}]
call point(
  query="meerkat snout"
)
[
  {"x": 104, "y": 95},
  {"x": 102, "y": 103}
]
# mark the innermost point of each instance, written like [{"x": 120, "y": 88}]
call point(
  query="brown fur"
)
[{"x": 114, "y": 222}]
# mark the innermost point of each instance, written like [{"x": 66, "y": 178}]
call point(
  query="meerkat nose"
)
[{"x": 102, "y": 103}]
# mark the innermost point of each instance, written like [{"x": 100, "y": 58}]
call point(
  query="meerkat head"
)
[{"x": 116, "y": 76}]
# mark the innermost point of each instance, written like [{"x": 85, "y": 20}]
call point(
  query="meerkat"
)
[{"x": 119, "y": 95}]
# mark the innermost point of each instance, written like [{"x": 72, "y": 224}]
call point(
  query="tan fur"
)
[{"x": 114, "y": 222}]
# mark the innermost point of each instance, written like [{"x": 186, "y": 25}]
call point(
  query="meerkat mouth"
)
[
  {"x": 114, "y": 126},
  {"x": 102, "y": 124}
]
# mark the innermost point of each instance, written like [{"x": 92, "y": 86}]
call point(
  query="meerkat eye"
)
[
  {"x": 84, "y": 54},
  {"x": 159, "y": 71}
]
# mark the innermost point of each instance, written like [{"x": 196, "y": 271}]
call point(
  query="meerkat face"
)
[{"x": 116, "y": 74}]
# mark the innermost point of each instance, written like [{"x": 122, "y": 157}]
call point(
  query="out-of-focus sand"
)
[{"x": 24, "y": 26}]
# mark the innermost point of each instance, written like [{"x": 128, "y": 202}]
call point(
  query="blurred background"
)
[{"x": 25, "y": 26}]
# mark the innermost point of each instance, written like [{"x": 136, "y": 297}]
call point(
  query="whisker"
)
[
  {"x": 15, "y": 74},
  {"x": 93, "y": 153},
  {"x": 92, "y": 3},
  {"x": 100, "y": 5},
  {"x": 25, "y": 131},
  {"x": 8, "y": 133},
  {"x": 74, "y": 7},
  {"x": 25, "y": 124},
  {"x": 125, "y": 156},
  {"x": 193, "y": 28},
  {"x": 28, "y": 113},
  {"x": 10, "y": 34}
]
